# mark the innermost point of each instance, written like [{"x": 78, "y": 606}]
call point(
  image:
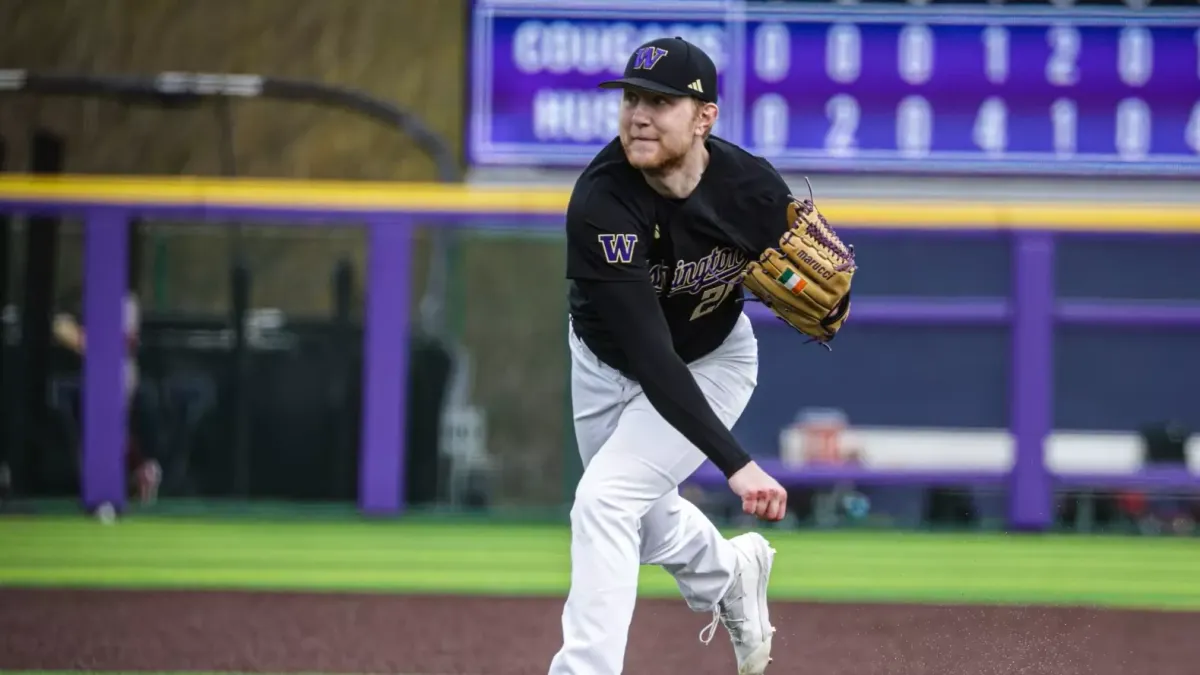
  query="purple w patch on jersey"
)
[{"x": 618, "y": 248}]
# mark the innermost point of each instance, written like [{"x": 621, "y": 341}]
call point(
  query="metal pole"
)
[
  {"x": 385, "y": 366},
  {"x": 1030, "y": 494}
]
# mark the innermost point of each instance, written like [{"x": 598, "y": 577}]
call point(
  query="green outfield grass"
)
[{"x": 479, "y": 558}]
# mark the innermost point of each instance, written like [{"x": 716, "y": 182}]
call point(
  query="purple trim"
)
[
  {"x": 1150, "y": 478},
  {"x": 294, "y": 215},
  {"x": 1181, "y": 479},
  {"x": 913, "y": 311},
  {"x": 1128, "y": 315},
  {"x": 1030, "y": 494},
  {"x": 1116, "y": 237},
  {"x": 105, "y": 261},
  {"x": 816, "y": 475},
  {"x": 973, "y": 233},
  {"x": 385, "y": 366}
]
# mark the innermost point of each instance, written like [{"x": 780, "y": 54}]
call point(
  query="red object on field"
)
[{"x": 1132, "y": 503}]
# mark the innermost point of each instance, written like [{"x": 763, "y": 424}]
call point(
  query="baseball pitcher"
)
[{"x": 665, "y": 228}]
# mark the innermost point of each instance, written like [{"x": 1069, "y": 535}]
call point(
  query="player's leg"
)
[
  {"x": 619, "y": 486},
  {"x": 678, "y": 537},
  {"x": 675, "y": 532},
  {"x": 638, "y": 467},
  {"x": 727, "y": 577},
  {"x": 599, "y": 394}
]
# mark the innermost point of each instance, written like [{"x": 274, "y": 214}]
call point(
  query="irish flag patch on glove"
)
[{"x": 792, "y": 281}]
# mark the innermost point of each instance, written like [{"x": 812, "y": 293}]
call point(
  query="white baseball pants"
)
[{"x": 628, "y": 510}]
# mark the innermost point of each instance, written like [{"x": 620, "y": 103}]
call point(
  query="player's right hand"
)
[{"x": 762, "y": 495}]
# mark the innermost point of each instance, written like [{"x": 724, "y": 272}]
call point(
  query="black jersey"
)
[{"x": 653, "y": 279}]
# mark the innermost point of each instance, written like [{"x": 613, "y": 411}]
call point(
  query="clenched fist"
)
[{"x": 762, "y": 496}]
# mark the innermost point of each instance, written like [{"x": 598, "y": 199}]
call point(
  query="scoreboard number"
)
[
  {"x": 991, "y": 126},
  {"x": 914, "y": 127},
  {"x": 1064, "y": 117},
  {"x": 843, "y": 52},
  {"x": 995, "y": 42},
  {"x": 1193, "y": 129},
  {"x": 1135, "y": 55},
  {"x": 843, "y": 113},
  {"x": 770, "y": 123},
  {"x": 1133, "y": 128},
  {"x": 1062, "y": 68},
  {"x": 772, "y": 51},
  {"x": 916, "y": 53}
]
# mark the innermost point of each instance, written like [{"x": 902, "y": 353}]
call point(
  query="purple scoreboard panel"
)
[{"x": 897, "y": 89}]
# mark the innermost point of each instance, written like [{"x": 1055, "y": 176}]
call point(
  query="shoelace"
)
[
  {"x": 711, "y": 628},
  {"x": 718, "y": 618}
]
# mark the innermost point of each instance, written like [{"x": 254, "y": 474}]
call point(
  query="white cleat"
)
[{"x": 743, "y": 610}]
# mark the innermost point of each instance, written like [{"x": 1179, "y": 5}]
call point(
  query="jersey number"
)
[{"x": 710, "y": 299}]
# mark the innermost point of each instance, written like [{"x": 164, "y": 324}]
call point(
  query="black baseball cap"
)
[{"x": 670, "y": 66}]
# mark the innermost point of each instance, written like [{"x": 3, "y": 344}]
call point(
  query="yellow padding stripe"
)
[{"x": 419, "y": 198}]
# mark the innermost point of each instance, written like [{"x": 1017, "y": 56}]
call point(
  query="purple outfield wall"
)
[{"x": 389, "y": 211}]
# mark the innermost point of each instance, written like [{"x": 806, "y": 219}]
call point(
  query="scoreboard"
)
[{"x": 965, "y": 89}]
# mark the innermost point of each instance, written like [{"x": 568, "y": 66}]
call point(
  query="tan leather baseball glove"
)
[{"x": 806, "y": 279}]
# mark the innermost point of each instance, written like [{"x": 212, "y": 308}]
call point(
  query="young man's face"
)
[{"x": 657, "y": 130}]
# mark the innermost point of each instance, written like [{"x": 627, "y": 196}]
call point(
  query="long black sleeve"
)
[{"x": 669, "y": 384}]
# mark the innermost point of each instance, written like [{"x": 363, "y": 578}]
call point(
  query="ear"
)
[{"x": 706, "y": 117}]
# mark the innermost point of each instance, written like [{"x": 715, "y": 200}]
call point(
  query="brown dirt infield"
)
[{"x": 291, "y": 632}]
